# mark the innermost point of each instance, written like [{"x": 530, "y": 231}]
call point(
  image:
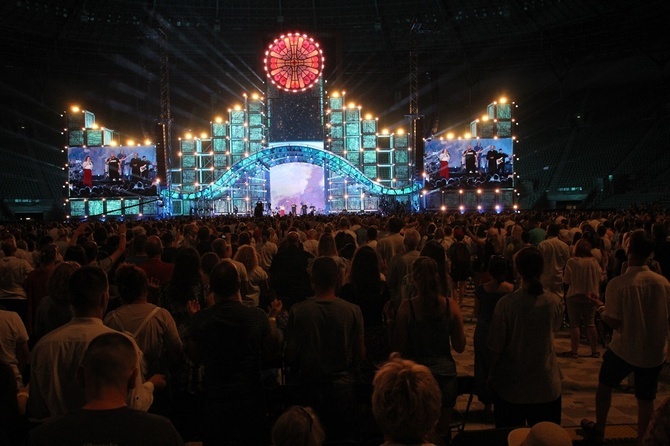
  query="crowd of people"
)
[{"x": 214, "y": 326}]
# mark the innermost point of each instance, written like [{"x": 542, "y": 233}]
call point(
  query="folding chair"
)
[{"x": 466, "y": 386}]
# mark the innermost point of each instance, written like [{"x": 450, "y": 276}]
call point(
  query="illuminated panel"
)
[
  {"x": 77, "y": 208},
  {"x": 93, "y": 137},
  {"x": 114, "y": 207},
  {"x": 76, "y": 138},
  {"x": 132, "y": 206},
  {"x": 294, "y": 62},
  {"x": 96, "y": 207},
  {"x": 150, "y": 207}
]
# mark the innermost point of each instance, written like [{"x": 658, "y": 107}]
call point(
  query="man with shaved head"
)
[{"x": 108, "y": 371}]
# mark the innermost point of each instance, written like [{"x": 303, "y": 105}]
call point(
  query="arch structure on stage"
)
[{"x": 334, "y": 166}]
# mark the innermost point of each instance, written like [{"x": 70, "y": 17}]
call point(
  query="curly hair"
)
[{"x": 406, "y": 400}]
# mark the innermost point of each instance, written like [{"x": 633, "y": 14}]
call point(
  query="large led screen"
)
[
  {"x": 112, "y": 171},
  {"x": 297, "y": 184},
  {"x": 463, "y": 163}
]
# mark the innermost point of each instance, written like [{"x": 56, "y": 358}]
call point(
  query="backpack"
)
[
  {"x": 461, "y": 253},
  {"x": 143, "y": 362}
]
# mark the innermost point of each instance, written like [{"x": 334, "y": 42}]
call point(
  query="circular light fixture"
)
[{"x": 294, "y": 62}]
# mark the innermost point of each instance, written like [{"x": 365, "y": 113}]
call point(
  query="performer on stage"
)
[
  {"x": 479, "y": 150},
  {"x": 502, "y": 157},
  {"x": 444, "y": 158},
  {"x": 113, "y": 165},
  {"x": 87, "y": 165},
  {"x": 123, "y": 160},
  {"x": 144, "y": 168},
  {"x": 470, "y": 159},
  {"x": 135, "y": 165},
  {"x": 491, "y": 158}
]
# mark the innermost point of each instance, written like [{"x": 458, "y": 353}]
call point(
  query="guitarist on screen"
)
[{"x": 144, "y": 169}]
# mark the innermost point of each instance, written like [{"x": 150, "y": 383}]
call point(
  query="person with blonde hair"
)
[
  {"x": 298, "y": 426},
  {"x": 257, "y": 277},
  {"x": 406, "y": 401}
]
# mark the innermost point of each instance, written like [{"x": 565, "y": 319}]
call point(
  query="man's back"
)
[
  {"x": 54, "y": 389},
  {"x": 324, "y": 333},
  {"x": 555, "y": 254},
  {"x": 122, "y": 426},
  {"x": 640, "y": 299}
]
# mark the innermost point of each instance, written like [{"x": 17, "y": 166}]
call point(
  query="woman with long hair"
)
[
  {"x": 524, "y": 372},
  {"x": 87, "y": 166},
  {"x": 435, "y": 251},
  {"x": 327, "y": 248},
  {"x": 487, "y": 296},
  {"x": 258, "y": 278},
  {"x": 582, "y": 274},
  {"x": 366, "y": 289},
  {"x": 427, "y": 327}
]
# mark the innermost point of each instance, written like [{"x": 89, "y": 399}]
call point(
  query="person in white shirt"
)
[
  {"x": 54, "y": 389},
  {"x": 637, "y": 307}
]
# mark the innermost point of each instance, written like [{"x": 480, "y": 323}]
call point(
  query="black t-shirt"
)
[
  {"x": 229, "y": 336},
  {"x": 123, "y": 427},
  {"x": 113, "y": 163}
]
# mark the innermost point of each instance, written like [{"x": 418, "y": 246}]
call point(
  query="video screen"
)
[
  {"x": 112, "y": 171},
  {"x": 469, "y": 163},
  {"x": 297, "y": 188},
  {"x": 296, "y": 117}
]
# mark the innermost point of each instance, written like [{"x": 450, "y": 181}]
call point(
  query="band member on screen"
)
[
  {"x": 144, "y": 169},
  {"x": 113, "y": 165},
  {"x": 502, "y": 159},
  {"x": 479, "y": 150},
  {"x": 135, "y": 166},
  {"x": 87, "y": 165},
  {"x": 123, "y": 160},
  {"x": 444, "y": 158},
  {"x": 491, "y": 158},
  {"x": 470, "y": 159}
]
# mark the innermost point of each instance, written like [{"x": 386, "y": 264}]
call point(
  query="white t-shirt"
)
[
  {"x": 640, "y": 299},
  {"x": 12, "y": 333}
]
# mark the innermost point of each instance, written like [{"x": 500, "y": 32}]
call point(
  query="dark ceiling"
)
[{"x": 105, "y": 54}]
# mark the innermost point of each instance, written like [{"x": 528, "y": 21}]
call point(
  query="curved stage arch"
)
[{"x": 291, "y": 153}]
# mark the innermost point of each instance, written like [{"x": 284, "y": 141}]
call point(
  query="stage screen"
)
[
  {"x": 135, "y": 171},
  {"x": 295, "y": 117},
  {"x": 468, "y": 163},
  {"x": 297, "y": 184}
]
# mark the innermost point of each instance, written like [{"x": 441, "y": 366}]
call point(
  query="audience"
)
[
  {"x": 108, "y": 372},
  {"x": 298, "y": 426},
  {"x": 637, "y": 307},
  {"x": 232, "y": 340},
  {"x": 524, "y": 371},
  {"x": 328, "y": 352},
  {"x": 54, "y": 390},
  {"x": 427, "y": 327},
  {"x": 406, "y": 402},
  {"x": 325, "y": 343}
]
